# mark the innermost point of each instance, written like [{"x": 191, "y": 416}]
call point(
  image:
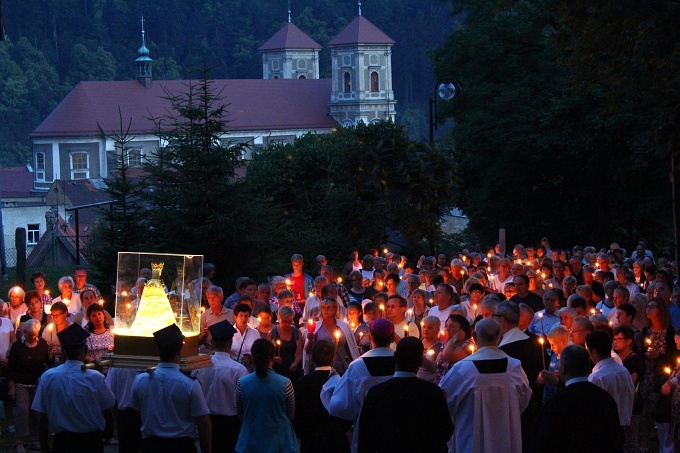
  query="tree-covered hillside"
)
[{"x": 51, "y": 45}]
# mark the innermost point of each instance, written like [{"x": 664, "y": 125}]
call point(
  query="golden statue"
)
[{"x": 154, "y": 311}]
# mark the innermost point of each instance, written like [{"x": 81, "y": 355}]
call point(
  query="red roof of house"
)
[
  {"x": 360, "y": 31},
  {"x": 16, "y": 182},
  {"x": 91, "y": 108},
  {"x": 289, "y": 37}
]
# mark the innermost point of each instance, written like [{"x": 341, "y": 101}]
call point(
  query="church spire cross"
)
[
  {"x": 289, "y": 11},
  {"x": 360, "y": 7}
]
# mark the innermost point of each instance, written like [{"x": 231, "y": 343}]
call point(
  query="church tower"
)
[
  {"x": 361, "y": 71},
  {"x": 290, "y": 54},
  {"x": 144, "y": 63}
]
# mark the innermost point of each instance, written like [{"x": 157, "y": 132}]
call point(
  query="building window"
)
[
  {"x": 348, "y": 85},
  {"x": 375, "y": 82},
  {"x": 32, "y": 233},
  {"x": 39, "y": 166},
  {"x": 80, "y": 165},
  {"x": 302, "y": 77},
  {"x": 134, "y": 157}
]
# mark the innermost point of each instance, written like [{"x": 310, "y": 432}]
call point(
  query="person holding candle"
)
[
  {"x": 457, "y": 342},
  {"x": 67, "y": 296},
  {"x": 549, "y": 377},
  {"x": 35, "y": 310},
  {"x": 314, "y": 299},
  {"x": 302, "y": 284},
  {"x": 432, "y": 347},
  {"x": 396, "y": 313},
  {"x": 420, "y": 309},
  {"x": 289, "y": 344},
  {"x": 326, "y": 329},
  {"x": 17, "y": 307},
  {"x": 660, "y": 350},
  {"x": 545, "y": 319},
  {"x": 265, "y": 325},
  {"x": 265, "y": 400},
  {"x": 50, "y": 334},
  {"x": 39, "y": 279},
  {"x": 215, "y": 313}
]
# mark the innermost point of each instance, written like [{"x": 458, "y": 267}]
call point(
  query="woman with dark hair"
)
[
  {"x": 34, "y": 310},
  {"x": 459, "y": 343},
  {"x": 39, "y": 279},
  {"x": 100, "y": 340},
  {"x": 59, "y": 322},
  {"x": 289, "y": 342},
  {"x": 265, "y": 400},
  {"x": 265, "y": 325},
  {"x": 659, "y": 352}
]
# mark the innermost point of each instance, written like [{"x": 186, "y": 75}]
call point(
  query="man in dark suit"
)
[
  {"x": 581, "y": 404},
  {"x": 318, "y": 430},
  {"x": 392, "y": 414}
]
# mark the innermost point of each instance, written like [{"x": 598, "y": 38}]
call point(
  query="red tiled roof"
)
[
  {"x": 16, "y": 182},
  {"x": 360, "y": 31},
  {"x": 253, "y": 104},
  {"x": 289, "y": 37}
]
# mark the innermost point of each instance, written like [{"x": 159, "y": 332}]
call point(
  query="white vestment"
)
[{"x": 486, "y": 406}]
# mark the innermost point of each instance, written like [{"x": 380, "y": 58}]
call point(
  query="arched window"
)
[
  {"x": 276, "y": 77},
  {"x": 348, "y": 87},
  {"x": 302, "y": 77},
  {"x": 375, "y": 82}
]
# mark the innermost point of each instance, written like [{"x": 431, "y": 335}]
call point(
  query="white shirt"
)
[
  {"x": 73, "y": 399},
  {"x": 168, "y": 401},
  {"x": 120, "y": 382},
  {"x": 616, "y": 380},
  {"x": 246, "y": 339},
  {"x": 443, "y": 315},
  {"x": 218, "y": 383},
  {"x": 6, "y": 328}
]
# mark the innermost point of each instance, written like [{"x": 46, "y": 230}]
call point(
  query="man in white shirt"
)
[
  {"x": 611, "y": 376},
  {"x": 443, "y": 299}
]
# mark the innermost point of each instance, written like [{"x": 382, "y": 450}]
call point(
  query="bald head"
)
[{"x": 488, "y": 332}]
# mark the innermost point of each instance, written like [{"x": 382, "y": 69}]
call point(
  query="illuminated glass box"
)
[{"x": 154, "y": 290}]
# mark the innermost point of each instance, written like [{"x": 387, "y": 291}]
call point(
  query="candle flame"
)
[
  {"x": 50, "y": 327},
  {"x": 339, "y": 279},
  {"x": 471, "y": 348},
  {"x": 337, "y": 334},
  {"x": 278, "y": 342},
  {"x": 406, "y": 328},
  {"x": 430, "y": 352},
  {"x": 540, "y": 314},
  {"x": 667, "y": 370},
  {"x": 47, "y": 292},
  {"x": 124, "y": 294},
  {"x": 541, "y": 340},
  {"x": 382, "y": 306},
  {"x": 385, "y": 251},
  {"x": 101, "y": 301}
]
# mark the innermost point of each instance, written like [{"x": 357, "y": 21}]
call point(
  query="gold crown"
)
[{"x": 157, "y": 266}]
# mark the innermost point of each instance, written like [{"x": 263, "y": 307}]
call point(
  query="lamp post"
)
[{"x": 446, "y": 89}]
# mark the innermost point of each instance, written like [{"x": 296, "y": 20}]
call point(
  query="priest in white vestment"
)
[{"x": 486, "y": 393}]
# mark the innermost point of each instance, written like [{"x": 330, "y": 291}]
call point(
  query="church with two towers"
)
[{"x": 76, "y": 141}]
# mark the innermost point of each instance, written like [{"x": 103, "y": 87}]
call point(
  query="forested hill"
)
[{"x": 51, "y": 45}]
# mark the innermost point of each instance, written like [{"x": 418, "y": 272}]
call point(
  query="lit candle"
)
[
  {"x": 50, "y": 326},
  {"x": 462, "y": 272},
  {"x": 550, "y": 285},
  {"x": 48, "y": 309},
  {"x": 471, "y": 348},
  {"x": 667, "y": 370},
  {"x": 540, "y": 316},
  {"x": 18, "y": 322},
  {"x": 430, "y": 352},
  {"x": 339, "y": 280},
  {"x": 288, "y": 283},
  {"x": 311, "y": 326},
  {"x": 337, "y": 338},
  {"x": 592, "y": 311},
  {"x": 101, "y": 302},
  {"x": 409, "y": 312},
  {"x": 543, "y": 275},
  {"x": 311, "y": 293},
  {"x": 382, "y": 309},
  {"x": 488, "y": 255},
  {"x": 47, "y": 292},
  {"x": 351, "y": 324},
  {"x": 406, "y": 331},
  {"x": 542, "y": 341},
  {"x": 442, "y": 335},
  {"x": 385, "y": 251},
  {"x": 278, "y": 348},
  {"x": 361, "y": 335},
  {"x": 488, "y": 269},
  {"x": 422, "y": 323}
]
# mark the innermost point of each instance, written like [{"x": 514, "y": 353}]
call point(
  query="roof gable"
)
[
  {"x": 92, "y": 108},
  {"x": 360, "y": 31},
  {"x": 16, "y": 182},
  {"x": 289, "y": 37}
]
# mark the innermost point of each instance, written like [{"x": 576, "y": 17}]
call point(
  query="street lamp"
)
[{"x": 446, "y": 89}]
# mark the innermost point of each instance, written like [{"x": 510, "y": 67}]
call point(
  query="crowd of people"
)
[{"x": 489, "y": 351}]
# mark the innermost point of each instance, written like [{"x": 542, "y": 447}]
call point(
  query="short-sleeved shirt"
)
[
  {"x": 73, "y": 398},
  {"x": 168, "y": 401}
]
